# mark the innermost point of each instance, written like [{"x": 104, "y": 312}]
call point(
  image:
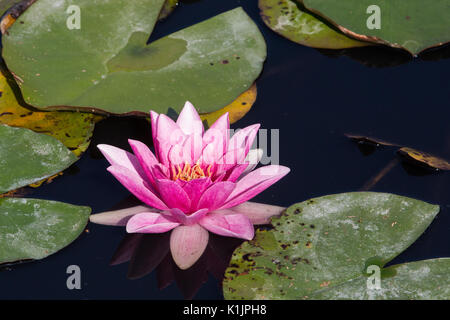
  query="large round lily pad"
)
[
  {"x": 27, "y": 157},
  {"x": 328, "y": 243},
  {"x": 290, "y": 20},
  {"x": 35, "y": 229},
  {"x": 413, "y": 25},
  {"x": 107, "y": 66}
]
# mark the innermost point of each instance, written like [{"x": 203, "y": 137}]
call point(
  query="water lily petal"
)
[
  {"x": 254, "y": 156},
  {"x": 232, "y": 225},
  {"x": 244, "y": 138},
  {"x": 187, "y": 244},
  {"x": 195, "y": 188},
  {"x": 189, "y": 121},
  {"x": 168, "y": 134},
  {"x": 150, "y": 222},
  {"x": 154, "y": 124},
  {"x": 229, "y": 160},
  {"x": 178, "y": 156},
  {"x": 216, "y": 139},
  {"x": 185, "y": 219},
  {"x": 118, "y": 217},
  {"x": 160, "y": 172},
  {"x": 258, "y": 213},
  {"x": 215, "y": 195},
  {"x": 254, "y": 183},
  {"x": 192, "y": 148},
  {"x": 236, "y": 172},
  {"x": 145, "y": 157},
  {"x": 119, "y": 157},
  {"x": 137, "y": 186},
  {"x": 173, "y": 195}
]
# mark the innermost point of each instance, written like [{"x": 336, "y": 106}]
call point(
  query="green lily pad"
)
[
  {"x": 106, "y": 66},
  {"x": 411, "y": 25},
  {"x": 421, "y": 280},
  {"x": 27, "y": 157},
  {"x": 329, "y": 242},
  {"x": 35, "y": 229},
  {"x": 291, "y": 21}
]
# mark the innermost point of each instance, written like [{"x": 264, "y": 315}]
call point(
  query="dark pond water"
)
[{"x": 313, "y": 97}]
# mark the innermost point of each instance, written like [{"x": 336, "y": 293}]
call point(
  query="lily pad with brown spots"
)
[{"x": 322, "y": 249}]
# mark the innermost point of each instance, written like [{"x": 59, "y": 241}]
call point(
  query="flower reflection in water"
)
[{"x": 151, "y": 252}]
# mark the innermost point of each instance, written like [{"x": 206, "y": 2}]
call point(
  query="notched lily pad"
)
[
  {"x": 112, "y": 70},
  {"x": 27, "y": 157},
  {"x": 327, "y": 243},
  {"x": 137, "y": 56},
  {"x": 290, "y": 19},
  {"x": 35, "y": 229},
  {"x": 409, "y": 25}
]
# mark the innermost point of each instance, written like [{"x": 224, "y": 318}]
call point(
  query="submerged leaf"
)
[
  {"x": 290, "y": 20},
  {"x": 409, "y": 25},
  {"x": 27, "y": 157},
  {"x": 35, "y": 229},
  {"x": 236, "y": 110},
  {"x": 423, "y": 158},
  {"x": 413, "y": 156},
  {"x": 73, "y": 129},
  {"x": 370, "y": 140},
  {"x": 326, "y": 243},
  {"x": 112, "y": 70}
]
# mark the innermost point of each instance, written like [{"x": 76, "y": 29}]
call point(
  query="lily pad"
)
[
  {"x": 326, "y": 243},
  {"x": 409, "y": 25},
  {"x": 27, "y": 157},
  {"x": 109, "y": 68},
  {"x": 421, "y": 280},
  {"x": 290, "y": 20},
  {"x": 35, "y": 229},
  {"x": 73, "y": 129},
  {"x": 10, "y": 10}
]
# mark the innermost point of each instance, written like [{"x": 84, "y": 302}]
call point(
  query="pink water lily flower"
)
[{"x": 194, "y": 183}]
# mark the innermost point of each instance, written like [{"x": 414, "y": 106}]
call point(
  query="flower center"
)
[{"x": 188, "y": 172}]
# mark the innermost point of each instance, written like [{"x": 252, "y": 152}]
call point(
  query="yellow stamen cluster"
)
[{"x": 189, "y": 172}]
